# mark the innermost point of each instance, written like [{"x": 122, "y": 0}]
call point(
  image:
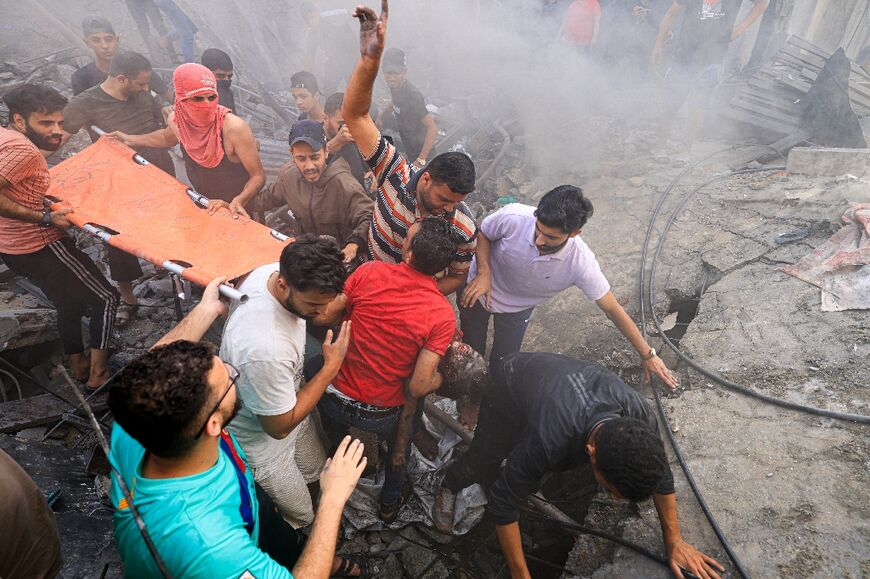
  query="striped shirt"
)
[
  {"x": 24, "y": 167},
  {"x": 396, "y": 210}
]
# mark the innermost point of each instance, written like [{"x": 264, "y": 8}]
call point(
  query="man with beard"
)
[
  {"x": 265, "y": 340},
  {"x": 123, "y": 102},
  {"x": 32, "y": 241},
  {"x": 190, "y": 482},
  {"x": 220, "y": 63},
  {"x": 219, "y": 149},
  {"x": 526, "y": 256},
  {"x": 323, "y": 196},
  {"x": 405, "y": 196}
]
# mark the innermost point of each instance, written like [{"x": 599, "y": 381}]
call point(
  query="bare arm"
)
[
  {"x": 199, "y": 320},
  {"x": 512, "y": 547},
  {"x": 338, "y": 479},
  {"x": 450, "y": 283},
  {"x": 159, "y": 139},
  {"x": 358, "y": 96},
  {"x": 616, "y": 314},
  {"x": 754, "y": 14},
  {"x": 482, "y": 284},
  {"x": 425, "y": 378},
  {"x": 665, "y": 29},
  {"x": 13, "y": 210},
  {"x": 680, "y": 554},
  {"x": 241, "y": 139},
  {"x": 333, "y": 313},
  {"x": 431, "y": 133},
  {"x": 280, "y": 426}
]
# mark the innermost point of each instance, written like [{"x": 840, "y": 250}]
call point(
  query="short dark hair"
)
[
  {"x": 454, "y": 169},
  {"x": 215, "y": 58},
  {"x": 33, "y": 98},
  {"x": 631, "y": 457},
  {"x": 434, "y": 245},
  {"x": 160, "y": 397},
  {"x": 306, "y": 80},
  {"x": 564, "y": 208},
  {"x": 93, "y": 24},
  {"x": 128, "y": 63},
  {"x": 313, "y": 263},
  {"x": 333, "y": 103}
]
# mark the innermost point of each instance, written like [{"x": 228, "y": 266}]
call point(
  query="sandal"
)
[
  {"x": 389, "y": 513},
  {"x": 125, "y": 314},
  {"x": 348, "y": 562}
]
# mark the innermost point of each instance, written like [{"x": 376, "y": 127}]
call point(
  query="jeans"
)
[
  {"x": 338, "y": 414},
  {"x": 508, "y": 330}
]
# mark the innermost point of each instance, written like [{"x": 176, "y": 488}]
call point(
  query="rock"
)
[
  {"x": 389, "y": 567},
  {"x": 416, "y": 560},
  {"x": 828, "y": 162},
  {"x": 6, "y": 76},
  {"x": 637, "y": 181}
]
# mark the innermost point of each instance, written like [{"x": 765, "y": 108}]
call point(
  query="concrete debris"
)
[{"x": 825, "y": 162}]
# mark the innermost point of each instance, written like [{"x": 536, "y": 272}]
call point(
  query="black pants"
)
[
  {"x": 122, "y": 265},
  {"x": 508, "y": 330},
  {"x": 75, "y": 286},
  {"x": 278, "y": 539}
]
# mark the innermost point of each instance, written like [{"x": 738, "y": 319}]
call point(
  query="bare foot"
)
[
  {"x": 426, "y": 444},
  {"x": 80, "y": 367},
  {"x": 468, "y": 413}
]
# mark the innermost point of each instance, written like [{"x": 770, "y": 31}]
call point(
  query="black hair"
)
[
  {"x": 93, "y": 24},
  {"x": 434, "y": 245},
  {"x": 161, "y": 397},
  {"x": 465, "y": 373},
  {"x": 305, "y": 79},
  {"x": 128, "y": 63},
  {"x": 33, "y": 98},
  {"x": 215, "y": 58},
  {"x": 631, "y": 457},
  {"x": 313, "y": 263},
  {"x": 564, "y": 208},
  {"x": 333, "y": 103},
  {"x": 454, "y": 169}
]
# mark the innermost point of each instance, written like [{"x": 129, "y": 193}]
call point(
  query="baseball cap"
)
[
  {"x": 304, "y": 79},
  {"x": 95, "y": 24},
  {"x": 310, "y": 132},
  {"x": 393, "y": 60}
]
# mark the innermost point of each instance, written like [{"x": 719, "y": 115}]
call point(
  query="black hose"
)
[{"x": 709, "y": 373}]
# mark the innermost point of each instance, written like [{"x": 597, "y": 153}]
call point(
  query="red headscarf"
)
[{"x": 200, "y": 125}]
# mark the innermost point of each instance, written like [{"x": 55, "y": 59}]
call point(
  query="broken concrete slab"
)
[
  {"x": 828, "y": 162},
  {"x": 39, "y": 410}
]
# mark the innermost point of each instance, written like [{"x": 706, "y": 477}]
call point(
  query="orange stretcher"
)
[{"x": 118, "y": 196}]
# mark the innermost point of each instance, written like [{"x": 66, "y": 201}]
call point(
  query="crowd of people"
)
[{"x": 225, "y": 448}]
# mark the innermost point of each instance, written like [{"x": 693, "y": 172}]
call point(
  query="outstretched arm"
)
[
  {"x": 681, "y": 555},
  {"x": 199, "y": 320},
  {"x": 358, "y": 96}
]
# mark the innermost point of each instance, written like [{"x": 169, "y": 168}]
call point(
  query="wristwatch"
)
[
  {"x": 46, "y": 219},
  {"x": 652, "y": 354}
]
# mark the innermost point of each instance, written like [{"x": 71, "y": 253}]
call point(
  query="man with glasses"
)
[
  {"x": 265, "y": 339},
  {"x": 190, "y": 480}
]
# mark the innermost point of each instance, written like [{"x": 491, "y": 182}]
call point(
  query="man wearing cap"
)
[
  {"x": 306, "y": 95},
  {"x": 405, "y": 196},
  {"x": 220, "y": 63},
  {"x": 101, "y": 38},
  {"x": 416, "y": 124},
  {"x": 323, "y": 197},
  {"x": 219, "y": 149}
]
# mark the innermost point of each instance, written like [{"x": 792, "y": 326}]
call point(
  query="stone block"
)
[{"x": 827, "y": 162}]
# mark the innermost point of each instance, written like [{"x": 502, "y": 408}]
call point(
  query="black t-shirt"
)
[
  {"x": 706, "y": 31},
  {"x": 351, "y": 154},
  {"x": 90, "y": 76},
  {"x": 139, "y": 115},
  {"x": 409, "y": 108}
]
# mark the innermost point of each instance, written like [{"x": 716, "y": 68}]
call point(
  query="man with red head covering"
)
[{"x": 219, "y": 148}]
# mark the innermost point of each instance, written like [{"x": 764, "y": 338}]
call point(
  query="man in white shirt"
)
[
  {"x": 265, "y": 339},
  {"x": 524, "y": 257}
]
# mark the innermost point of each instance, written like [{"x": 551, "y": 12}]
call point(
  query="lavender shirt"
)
[{"x": 521, "y": 277}]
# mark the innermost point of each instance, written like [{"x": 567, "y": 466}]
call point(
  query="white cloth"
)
[
  {"x": 266, "y": 343},
  {"x": 521, "y": 277}
]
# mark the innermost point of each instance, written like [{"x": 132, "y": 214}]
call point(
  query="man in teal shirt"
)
[{"x": 190, "y": 481}]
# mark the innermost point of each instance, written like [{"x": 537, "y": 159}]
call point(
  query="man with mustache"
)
[
  {"x": 265, "y": 339},
  {"x": 527, "y": 255},
  {"x": 322, "y": 195},
  {"x": 32, "y": 240}
]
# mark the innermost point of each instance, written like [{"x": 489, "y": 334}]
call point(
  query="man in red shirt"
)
[
  {"x": 32, "y": 241},
  {"x": 580, "y": 27},
  {"x": 402, "y": 327}
]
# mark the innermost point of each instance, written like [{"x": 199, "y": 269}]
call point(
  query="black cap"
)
[
  {"x": 310, "y": 132},
  {"x": 393, "y": 60},
  {"x": 215, "y": 58},
  {"x": 304, "y": 79},
  {"x": 95, "y": 24}
]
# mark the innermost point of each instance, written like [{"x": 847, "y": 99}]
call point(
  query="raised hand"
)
[{"x": 372, "y": 30}]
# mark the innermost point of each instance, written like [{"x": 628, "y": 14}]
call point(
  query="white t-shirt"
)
[{"x": 266, "y": 343}]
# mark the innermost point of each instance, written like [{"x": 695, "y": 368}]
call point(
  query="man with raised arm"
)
[{"x": 405, "y": 196}]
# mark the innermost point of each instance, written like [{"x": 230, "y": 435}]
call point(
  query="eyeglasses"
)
[{"x": 234, "y": 376}]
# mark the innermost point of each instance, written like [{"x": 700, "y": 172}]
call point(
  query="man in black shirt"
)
[
  {"x": 341, "y": 144},
  {"x": 546, "y": 412},
  {"x": 101, "y": 38},
  {"x": 220, "y": 63},
  {"x": 708, "y": 28},
  {"x": 416, "y": 124},
  {"x": 122, "y": 102}
]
